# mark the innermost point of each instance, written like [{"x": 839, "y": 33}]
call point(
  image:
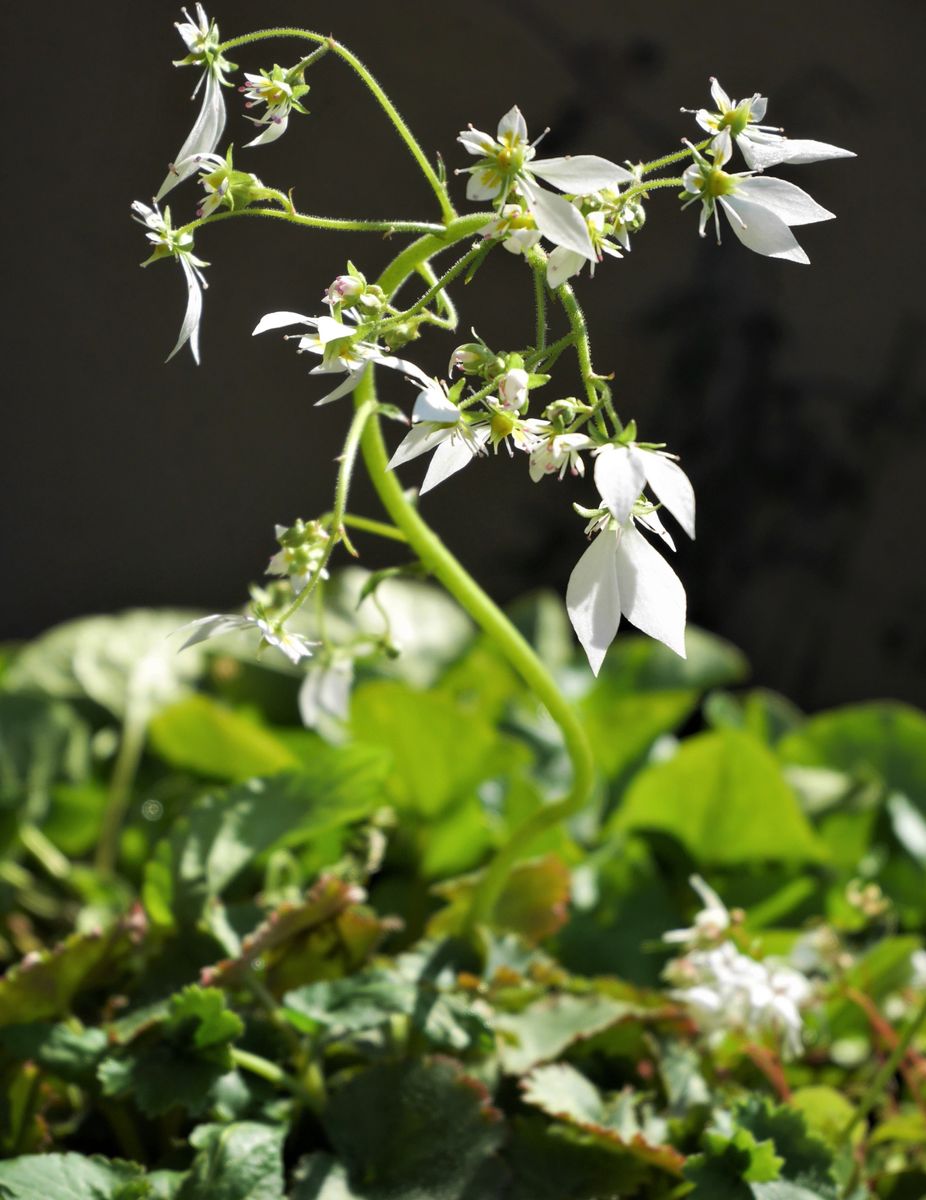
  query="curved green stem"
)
[
  {"x": 437, "y": 288},
  {"x": 120, "y": 786},
  {"x": 447, "y": 210},
  {"x": 258, "y": 1065},
  {"x": 445, "y": 568},
  {"x": 676, "y": 156},
  {"x": 347, "y": 224},
  {"x": 379, "y": 528},
  {"x": 443, "y": 298}
]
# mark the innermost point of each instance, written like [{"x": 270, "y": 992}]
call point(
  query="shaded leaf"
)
[
  {"x": 71, "y": 1054},
  {"x": 241, "y": 1161},
  {"x": 544, "y": 1029},
  {"x": 199, "y": 734},
  {"x": 70, "y": 1177}
]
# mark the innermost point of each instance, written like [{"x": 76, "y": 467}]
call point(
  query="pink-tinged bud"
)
[
  {"x": 513, "y": 389},
  {"x": 468, "y": 358},
  {"x": 345, "y": 287}
]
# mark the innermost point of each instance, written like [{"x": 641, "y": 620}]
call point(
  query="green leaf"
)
[
  {"x": 415, "y": 1129},
  {"x": 241, "y": 1161},
  {"x": 174, "y": 1062},
  {"x": 119, "y": 661},
  {"x": 564, "y": 1093},
  {"x": 644, "y": 693},
  {"x": 198, "y": 734},
  {"x": 45, "y": 983},
  {"x": 534, "y": 901},
  {"x": 558, "y": 1162},
  {"x": 544, "y": 1029},
  {"x": 724, "y": 798},
  {"x": 321, "y": 1177},
  {"x": 70, "y": 1054},
  {"x": 222, "y": 833},
  {"x": 883, "y": 741},
  {"x": 41, "y": 741},
  {"x": 727, "y": 1167},
  {"x": 70, "y": 1177},
  {"x": 440, "y": 750},
  {"x": 826, "y": 1113},
  {"x": 806, "y": 1160}
]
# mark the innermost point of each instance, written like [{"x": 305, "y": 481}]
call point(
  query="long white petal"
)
[
  {"x": 402, "y": 364},
  {"x": 786, "y": 200},
  {"x": 652, "y": 596},
  {"x": 353, "y": 378},
  {"x": 719, "y": 96},
  {"x": 513, "y": 123},
  {"x": 420, "y": 440},
  {"x": 279, "y": 320},
  {"x": 580, "y": 173},
  {"x": 653, "y": 523},
  {"x": 673, "y": 487},
  {"x": 203, "y": 137},
  {"x": 559, "y": 222},
  {"x": 476, "y": 142},
  {"x": 274, "y": 130},
  {"x": 760, "y": 230},
  {"x": 189, "y": 330},
  {"x": 620, "y": 475},
  {"x": 593, "y": 598},
  {"x": 562, "y": 265},
  {"x": 451, "y": 455},
  {"x": 762, "y": 150}
]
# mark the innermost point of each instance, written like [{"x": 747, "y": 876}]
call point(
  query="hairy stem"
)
[
  {"x": 343, "y": 224},
  {"x": 447, "y": 210}
]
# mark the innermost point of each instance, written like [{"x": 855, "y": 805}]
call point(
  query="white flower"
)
[
  {"x": 341, "y": 350},
  {"x": 508, "y": 161},
  {"x": 710, "y": 923},
  {"x": 202, "y": 42},
  {"x": 760, "y": 210},
  {"x": 760, "y": 145},
  {"x": 621, "y": 473},
  {"x": 730, "y": 991},
  {"x": 324, "y": 697},
  {"x": 293, "y": 645},
  {"x": 169, "y": 242},
  {"x": 439, "y": 426},
  {"x": 559, "y": 453},
  {"x": 621, "y": 574},
  {"x": 517, "y": 228},
  {"x": 563, "y": 263},
  {"x": 280, "y": 90}
]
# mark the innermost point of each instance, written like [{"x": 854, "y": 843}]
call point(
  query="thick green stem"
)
[
  {"x": 447, "y": 210},
  {"x": 448, "y": 571},
  {"x": 538, "y": 262}
]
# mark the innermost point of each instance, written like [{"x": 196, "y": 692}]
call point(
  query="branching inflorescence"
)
[{"x": 559, "y": 214}]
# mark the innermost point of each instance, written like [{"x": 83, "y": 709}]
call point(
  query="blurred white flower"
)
[
  {"x": 760, "y": 145},
  {"x": 293, "y": 645},
  {"x": 710, "y": 923}
]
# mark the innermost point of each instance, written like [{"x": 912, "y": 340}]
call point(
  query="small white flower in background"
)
[
  {"x": 621, "y": 574},
  {"x": 324, "y": 697},
  {"x": 622, "y": 472},
  {"x": 171, "y": 243},
  {"x": 439, "y": 426},
  {"x": 508, "y": 162},
  {"x": 559, "y": 453},
  {"x": 918, "y": 969},
  {"x": 729, "y": 991},
  {"x": 202, "y": 42},
  {"x": 303, "y": 546},
  {"x": 760, "y": 145},
  {"x": 760, "y": 209},
  {"x": 563, "y": 263},
  {"x": 341, "y": 349},
  {"x": 710, "y": 923},
  {"x": 293, "y": 645},
  {"x": 281, "y": 90}
]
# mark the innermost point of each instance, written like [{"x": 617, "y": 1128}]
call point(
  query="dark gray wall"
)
[{"x": 795, "y": 394}]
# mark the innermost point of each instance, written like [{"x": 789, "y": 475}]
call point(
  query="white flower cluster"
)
[{"x": 727, "y": 990}]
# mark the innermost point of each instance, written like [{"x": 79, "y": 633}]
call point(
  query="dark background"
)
[{"x": 794, "y": 394}]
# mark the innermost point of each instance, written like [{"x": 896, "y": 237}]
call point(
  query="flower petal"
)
[
  {"x": 580, "y": 173},
  {"x": 420, "y": 440},
  {"x": 620, "y": 476},
  {"x": 760, "y": 230},
  {"x": 202, "y": 138},
  {"x": 279, "y": 320},
  {"x": 353, "y": 378},
  {"x": 189, "y": 330},
  {"x": 274, "y": 129},
  {"x": 452, "y": 455},
  {"x": 593, "y": 598},
  {"x": 434, "y": 405},
  {"x": 513, "y": 123},
  {"x": 673, "y": 487},
  {"x": 559, "y": 222},
  {"x": 562, "y": 265},
  {"x": 762, "y": 150},
  {"x": 719, "y": 96},
  {"x": 402, "y": 364},
  {"x": 652, "y": 596},
  {"x": 786, "y": 200}
]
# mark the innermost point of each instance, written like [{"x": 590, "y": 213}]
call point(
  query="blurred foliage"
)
[{"x": 269, "y": 996}]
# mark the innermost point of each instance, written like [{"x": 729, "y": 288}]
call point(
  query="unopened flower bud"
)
[
  {"x": 345, "y": 287},
  {"x": 513, "y": 390}
]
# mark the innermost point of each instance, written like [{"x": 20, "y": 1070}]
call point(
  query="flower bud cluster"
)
[{"x": 303, "y": 550}]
